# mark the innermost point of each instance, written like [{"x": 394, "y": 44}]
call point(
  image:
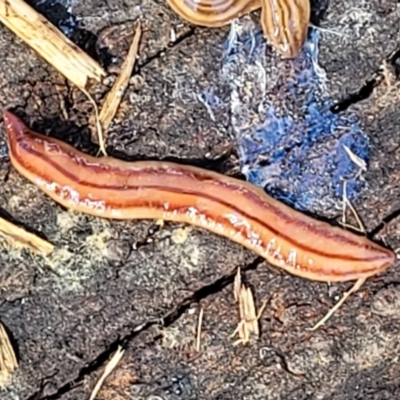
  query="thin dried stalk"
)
[
  {"x": 39, "y": 34},
  {"x": 109, "y": 368},
  {"x": 357, "y": 285},
  {"x": 199, "y": 324},
  {"x": 347, "y": 203},
  {"x": 237, "y": 284},
  {"x": 247, "y": 312},
  {"x": 8, "y": 360},
  {"x": 99, "y": 129},
  {"x": 114, "y": 96},
  {"x": 24, "y": 238},
  {"x": 355, "y": 159},
  {"x": 336, "y": 307}
]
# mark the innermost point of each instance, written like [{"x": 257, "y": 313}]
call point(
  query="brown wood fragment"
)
[
  {"x": 50, "y": 43},
  {"x": 23, "y": 238}
]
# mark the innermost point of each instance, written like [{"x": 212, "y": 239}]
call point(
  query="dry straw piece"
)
[
  {"x": 23, "y": 238},
  {"x": 60, "y": 52},
  {"x": 198, "y": 335},
  {"x": 247, "y": 311},
  {"x": 115, "y": 359},
  {"x": 357, "y": 285},
  {"x": 8, "y": 360},
  {"x": 114, "y": 96},
  {"x": 39, "y": 34}
]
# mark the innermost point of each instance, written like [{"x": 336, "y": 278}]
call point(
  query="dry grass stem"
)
[
  {"x": 357, "y": 285},
  {"x": 199, "y": 324},
  {"x": 24, "y": 238},
  {"x": 247, "y": 312},
  {"x": 99, "y": 129},
  {"x": 39, "y": 34},
  {"x": 116, "y": 358},
  {"x": 345, "y": 296},
  {"x": 355, "y": 159},
  {"x": 115, "y": 95},
  {"x": 347, "y": 203},
  {"x": 60, "y": 52},
  {"x": 8, "y": 360},
  {"x": 237, "y": 284}
]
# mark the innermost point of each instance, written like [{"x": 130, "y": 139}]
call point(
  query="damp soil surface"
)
[{"x": 140, "y": 286}]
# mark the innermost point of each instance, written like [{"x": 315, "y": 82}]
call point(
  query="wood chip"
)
[
  {"x": 23, "y": 238},
  {"x": 50, "y": 43},
  {"x": 8, "y": 360},
  {"x": 107, "y": 371},
  {"x": 115, "y": 95}
]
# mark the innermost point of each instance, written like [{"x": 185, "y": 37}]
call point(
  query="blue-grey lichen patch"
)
[{"x": 288, "y": 139}]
